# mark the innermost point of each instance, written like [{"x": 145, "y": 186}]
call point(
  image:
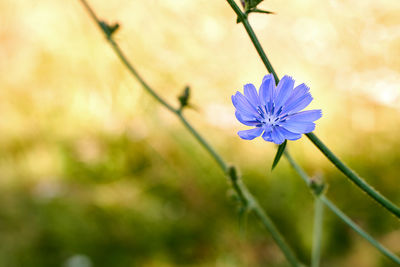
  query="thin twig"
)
[
  {"x": 245, "y": 196},
  {"x": 297, "y": 168},
  {"x": 363, "y": 185},
  {"x": 317, "y": 232},
  {"x": 360, "y": 231},
  {"x": 339, "y": 213}
]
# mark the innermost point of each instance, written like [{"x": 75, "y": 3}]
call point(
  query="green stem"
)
[
  {"x": 124, "y": 60},
  {"x": 360, "y": 231},
  {"x": 361, "y": 183},
  {"x": 280, "y": 241},
  {"x": 245, "y": 196},
  {"x": 317, "y": 233},
  {"x": 253, "y": 204},
  {"x": 339, "y": 213},
  {"x": 243, "y": 18},
  {"x": 335, "y": 160},
  {"x": 204, "y": 143}
]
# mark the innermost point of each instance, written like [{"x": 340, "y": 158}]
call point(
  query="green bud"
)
[
  {"x": 317, "y": 185},
  {"x": 184, "y": 97},
  {"x": 109, "y": 29},
  {"x": 250, "y": 4}
]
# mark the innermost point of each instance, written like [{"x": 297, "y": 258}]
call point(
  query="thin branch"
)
[
  {"x": 247, "y": 199},
  {"x": 360, "y": 231},
  {"x": 339, "y": 213},
  {"x": 317, "y": 232},
  {"x": 363, "y": 185}
]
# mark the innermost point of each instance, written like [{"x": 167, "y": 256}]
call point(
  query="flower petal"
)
[
  {"x": 250, "y": 92},
  {"x": 287, "y": 134},
  {"x": 277, "y": 137},
  {"x": 298, "y": 126},
  {"x": 307, "y": 115},
  {"x": 267, "y": 87},
  {"x": 298, "y": 104},
  {"x": 246, "y": 120},
  {"x": 243, "y": 106},
  {"x": 267, "y": 136},
  {"x": 267, "y": 127},
  {"x": 297, "y": 92},
  {"x": 250, "y": 134},
  {"x": 284, "y": 90}
]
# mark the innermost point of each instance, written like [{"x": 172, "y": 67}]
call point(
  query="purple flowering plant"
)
[{"x": 275, "y": 111}]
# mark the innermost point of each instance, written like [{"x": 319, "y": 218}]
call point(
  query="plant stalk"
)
[
  {"x": 247, "y": 199},
  {"x": 317, "y": 232},
  {"x": 339, "y": 213},
  {"x": 363, "y": 185}
]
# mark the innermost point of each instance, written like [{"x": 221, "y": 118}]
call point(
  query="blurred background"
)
[{"x": 93, "y": 172}]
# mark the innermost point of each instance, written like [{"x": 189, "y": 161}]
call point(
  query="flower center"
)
[{"x": 269, "y": 117}]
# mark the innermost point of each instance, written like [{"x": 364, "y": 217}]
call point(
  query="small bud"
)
[
  {"x": 232, "y": 173},
  {"x": 317, "y": 185},
  {"x": 109, "y": 29},
  {"x": 184, "y": 98},
  {"x": 113, "y": 28},
  {"x": 250, "y": 4}
]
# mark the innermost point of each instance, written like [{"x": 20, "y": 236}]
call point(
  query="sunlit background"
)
[{"x": 93, "y": 172}]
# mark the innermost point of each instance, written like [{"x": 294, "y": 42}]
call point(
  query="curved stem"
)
[
  {"x": 360, "y": 231},
  {"x": 339, "y": 213},
  {"x": 353, "y": 176},
  {"x": 204, "y": 143},
  {"x": 243, "y": 18},
  {"x": 246, "y": 198},
  {"x": 124, "y": 59},
  {"x": 335, "y": 160}
]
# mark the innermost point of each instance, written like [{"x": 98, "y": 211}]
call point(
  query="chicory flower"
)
[{"x": 275, "y": 111}]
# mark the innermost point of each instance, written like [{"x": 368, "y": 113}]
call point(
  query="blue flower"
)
[{"x": 275, "y": 111}]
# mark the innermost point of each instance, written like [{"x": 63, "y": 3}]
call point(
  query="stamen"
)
[
  {"x": 260, "y": 112},
  {"x": 279, "y": 111}
]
